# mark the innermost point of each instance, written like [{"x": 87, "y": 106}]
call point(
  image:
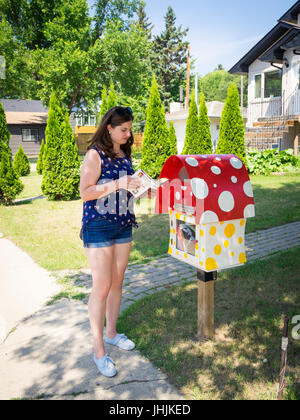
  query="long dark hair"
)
[{"x": 115, "y": 116}]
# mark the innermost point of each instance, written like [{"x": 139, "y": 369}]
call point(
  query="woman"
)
[{"x": 107, "y": 222}]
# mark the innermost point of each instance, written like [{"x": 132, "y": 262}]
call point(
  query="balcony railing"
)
[{"x": 280, "y": 106}]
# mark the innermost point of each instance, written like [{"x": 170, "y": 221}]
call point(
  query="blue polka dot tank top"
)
[{"x": 116, "y": 207}]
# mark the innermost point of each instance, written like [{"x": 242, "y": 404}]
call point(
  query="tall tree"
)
[
  {"x": 192, "y": 129},
  {"x": 232, "y": 129},
  {"x": 143, "y": 20},
  {"x": 156, "y": 148},
  {"x": 204, "y": 143},
  {"x": 10, "y": 184},
  {"x": 169, "y": 58},
  {"x": 112, "y": 97}
]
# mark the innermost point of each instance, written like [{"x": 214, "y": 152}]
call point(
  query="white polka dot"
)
[
  {"x": 215, "y": 170},
  {"x": 183, "y": 188},
  {"x": 226, "y": 201},
  {"x": 249, "y": 211},
  {"x": 234, "y": 179},
  {"x": 191, "y": 161},
  {"x": 248, "y": 189},
  {"x": 199, "y": 188},
  {"x": 178, "y": 196},
  {"x": 219, "y": 159},
  {"x": 215, "y": 185},
  {"x": 236, "y": 163},
  {"x": 209, "y": 217}
]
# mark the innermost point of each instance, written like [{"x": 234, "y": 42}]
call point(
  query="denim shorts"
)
[{"x": 100, "y": 233}]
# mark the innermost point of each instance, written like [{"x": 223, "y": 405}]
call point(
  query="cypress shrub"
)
[
  {"x": 10, "y": 184},
  {"x": 52, "y": 162},
  {"x": 112, "y": 98},
  {"x": 204, "y": 145},
  {"x": 103, "y": 108},
  {"x": 192, "y": 129},
  {"x": 156, "y": 148},
  {"x": 172, "y": 140},
  {"x": 39, "y": 164},
  {"x": 232, "y": 130},
  {"x": 21, "y": 163},
  {"x": 70, "y": 175}
]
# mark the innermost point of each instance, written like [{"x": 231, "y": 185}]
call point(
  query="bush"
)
[
  {"x": 21, "y": 163},
  {"x": 267, "y": 161},
  {"x": 39, "y": 165}
]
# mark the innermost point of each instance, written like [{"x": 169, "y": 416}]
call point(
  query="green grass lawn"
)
[
  {"x": 243, "y": 362},
  {"x": 49, "y": 231}
]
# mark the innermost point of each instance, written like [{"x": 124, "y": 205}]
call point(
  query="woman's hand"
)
[{"x": 129, "y": 183}]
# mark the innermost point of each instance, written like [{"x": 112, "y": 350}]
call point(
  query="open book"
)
[{"x": 147, "y": 183}]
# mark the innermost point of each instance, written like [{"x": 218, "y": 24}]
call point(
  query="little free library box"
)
[{"x": 208, "y": 199}]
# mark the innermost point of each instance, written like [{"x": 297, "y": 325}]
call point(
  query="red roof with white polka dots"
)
[{"x": 216, "y": 186}]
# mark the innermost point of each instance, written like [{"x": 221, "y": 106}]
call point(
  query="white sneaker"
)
[
  {"x": 106, "y": 366},
  {"x": 121, "y": 341}
]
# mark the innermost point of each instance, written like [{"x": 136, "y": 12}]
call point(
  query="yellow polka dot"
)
[
  {"x": 177, "y": 216},
  {"x": 232, "y": 254},
  {"x": 185, "y": 255},
  {"x": 242, "y": 222},
  {"x": 197, "y": 246},
  {"x": 174, "y": 231},
  {"x": 197, "y": 256},
  {"x": 201, "y": 263},
  {"x": 240, "y": 240},
  {"x": 226, "y": 244},
  {"x": 229, "y": 230},
  {"x": 177, "y": 252},
  {"x": 203, "y": 250},
  {"x": 211, "y": 264},
  {"x": 242, "y": 258},
  {"x": 170, "y": 212},
  {"x": 170, "y": 250},
  {"x": 212, "y": 230},
  {"x": 221, "y": 223},
  {"x": 218, "y": 249},
  {"x": 201, "y": 232},
  {"x": 184, "y": 218}
]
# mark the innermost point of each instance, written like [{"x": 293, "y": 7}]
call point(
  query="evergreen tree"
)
[
  {"x": 143, "y": 21},
  {"x": 51, "y": 184},
  {"x": 112, "y": 97},
  {"x": 192, "y": 129},
  {"x": 169, "y": 59},
  {"x": 103, "y": 108},
  {"x": 204, "y": 144},
  {"x": 69, "y": 173},
  {"x": 156, "y": 147},
  {"x": 10, "y": 184},
  {"x": 232, "y": 130},
  {"x": 39, "y": 165},
  {"x": 21, "y": 163},
  {"x": 172, "y": 140}
]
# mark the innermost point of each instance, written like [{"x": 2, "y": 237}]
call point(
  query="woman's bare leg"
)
[
  {"x": 121, "y": 256},
  {"x": 100, "y": 261}
]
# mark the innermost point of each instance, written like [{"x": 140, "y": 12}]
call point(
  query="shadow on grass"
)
[{"x": 243, "y": 361}]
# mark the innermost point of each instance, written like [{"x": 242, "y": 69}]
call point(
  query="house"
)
[
  {"x": 26, "y": 122},
  {"x": 179, "y": 117},
  {"x": 273, "y": 70}
]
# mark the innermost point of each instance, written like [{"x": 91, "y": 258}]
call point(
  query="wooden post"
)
[
  {"x": 206, "y": 329},
  {"x": 187, "y": 94},
  {"x": 296, "y": 140},
  {"x": 284, "y": 345}
]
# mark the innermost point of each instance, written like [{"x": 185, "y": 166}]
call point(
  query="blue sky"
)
[{"x": 221, "y": 32}]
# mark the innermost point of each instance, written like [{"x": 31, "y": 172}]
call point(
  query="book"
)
[{"x": 147, "y": 183}]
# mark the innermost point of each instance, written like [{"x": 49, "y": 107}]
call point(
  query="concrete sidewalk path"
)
[{"x": 25, "y": 286}]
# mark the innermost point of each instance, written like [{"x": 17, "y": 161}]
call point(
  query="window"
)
[
  {"x": 273, "y": 82},
  {"x": 85, "y": 119},
  {"x": 186, "y": 237},
  {"x": 30, "y": 134},
  {"x": 258, "y": 86}
]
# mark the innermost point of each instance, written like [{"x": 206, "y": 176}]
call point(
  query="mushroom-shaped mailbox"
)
[{"x": 208, "y": 198}]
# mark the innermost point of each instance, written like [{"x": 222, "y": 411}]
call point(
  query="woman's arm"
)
[{"x": 90, "y": 173}]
